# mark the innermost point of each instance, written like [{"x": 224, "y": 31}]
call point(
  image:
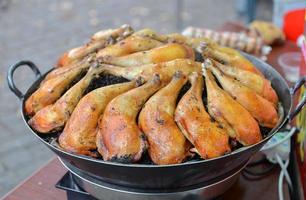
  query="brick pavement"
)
[{"x": 40, "y": 30}]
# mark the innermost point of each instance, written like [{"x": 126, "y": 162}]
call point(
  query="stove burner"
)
[{"x": 73, "y": 191}]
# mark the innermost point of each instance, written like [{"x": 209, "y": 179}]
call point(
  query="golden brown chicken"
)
[
  {"x": 51, "y": 89},
  {"x": 165, "y": 69},
  {"x": 260, "y": 108},
  {"x": 119, "y": 138},
  {"x": 167, "y": 144},
  {"x": 79, "y": 134},
  {"x": 82, "y": 65},
  {"x": 228, "y": 56},
  {"x": 230, "y": 114},
  {"x": 160, "y": 54},
  {"x": 54, "y": 116},
  {"x": 129, "y": 45},
  {"x": 172, "y": 38},
  {"x": 99, "y": 40},
  {"x": 257, "y": 83},
  {"x": 209, "y": 138}
]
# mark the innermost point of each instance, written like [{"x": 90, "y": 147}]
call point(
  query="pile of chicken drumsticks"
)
[{"x": 122, "y": 121}]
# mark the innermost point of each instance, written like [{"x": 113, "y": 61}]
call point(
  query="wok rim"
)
[{"x": 271, "y": 133}]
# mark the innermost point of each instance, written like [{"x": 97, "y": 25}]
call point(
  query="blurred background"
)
[{"x": 41, "y": 30}]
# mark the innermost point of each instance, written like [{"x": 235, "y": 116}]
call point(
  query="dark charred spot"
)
[
  {"x": 122, "y": 43},
  {"x": 122, "y": 159},
  {"x": 219, "y": 126},
  {"x": 212, "y": 119},
  {"x": 198, "y": 109},
  {"x": 160, "y": 121},
  {"x": 121, "y": 127},
  {"x": 92, "y": 108},
  {"x": 143, "y": 137}
]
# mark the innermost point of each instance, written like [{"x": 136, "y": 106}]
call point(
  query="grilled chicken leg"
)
[
  {"x": 79, "y": 135},
  {"x": 51, "y": 89},
  {"x": 172, "y": 38},
  {"x": 257, "y": 83},
  {"x": 119, "y": 138},
  {"x": 229, "y": 56},
  {"x": 160, "y": 54},
  {"x": 129, "y": 45},
  {"x": 98, "y": 41},
  {"x": 230, "y": 114},
  {"x": 208, "y": 137},
  {"x": 165, "y": 69},
  {"x": 84, "y": 64},
  {"x": 260, "y": 108},
  {"x": 167, "y": 144},
  {"x": 54, "y": 116}
]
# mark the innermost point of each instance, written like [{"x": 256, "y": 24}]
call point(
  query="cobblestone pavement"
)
[{"x": 40, "y": 30}]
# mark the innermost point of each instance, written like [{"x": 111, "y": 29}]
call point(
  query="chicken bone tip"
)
[
  {"x": 139, "y": 81},
  {"x": 156, "y": 78},
  {"x": 204, "y": 68},
  {"x": 178, "y": 74},
  {"x": 95, "y": 64},
  {"x": 202, "y": 46},
  {"x": 207, "y": 62},
  {"x": 91, "y": 58}
]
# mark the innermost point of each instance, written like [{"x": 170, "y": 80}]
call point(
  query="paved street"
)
[{"x": 40, "y": 30}]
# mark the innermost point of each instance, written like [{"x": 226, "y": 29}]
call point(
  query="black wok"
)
[{"x": 169, "y": 176}]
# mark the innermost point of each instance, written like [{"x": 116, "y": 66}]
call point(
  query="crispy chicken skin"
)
[
  {"x": 129, "y": 45},
  {"x": 99, "y": 40},
  {"x": 54, "y": 116},
  {"x": 119, "y": 138},
  {"x": 160, "y": 54},
  {"x": 230, "y": 114},
  {"x": 79, "y": 134},
  {"x": 228, "y": 56},
  {"x": 257, "y": 83},
  {"x": 260, "y": 108},
  {"x": 165, "y": 69},
  {"x": 167, "y": 144},
  {"x": 84, "y": 64},
  {"x": 50, "y": 90},
  {"x": 208, "y": 137}
]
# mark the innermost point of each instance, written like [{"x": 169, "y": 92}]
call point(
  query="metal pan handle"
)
[
  {"x": 10, "y": 76},
  {"x": 302, "y": 102}
]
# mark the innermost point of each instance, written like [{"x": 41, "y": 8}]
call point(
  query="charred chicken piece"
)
[
  {"x": 53, "y": 117},
  {"x": 167, "y": 144},
  {"x": 165, "y": 69},
  {"x": 160, "y": 54},
  {"x": 51, "y": 89},
  {"x": 99, "y": 40},
  {"x": 208, "y": 137},
  {"x": 79, "y": 135},
  {"x": 129, "y": 45},
  {"x": 261, "y": 109},
  {"x": 238, "y": 122},
  {"x": 119, "y": 139},
  {"x": 257, "y": 83}
]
